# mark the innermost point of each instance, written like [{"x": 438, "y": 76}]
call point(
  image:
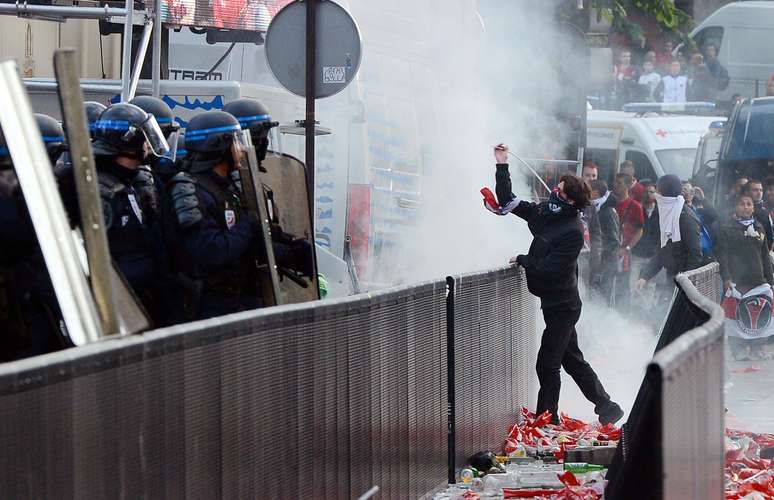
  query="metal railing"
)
[
  {"x": 320, "y": 400},
  {"x": 672, "y": 444}
]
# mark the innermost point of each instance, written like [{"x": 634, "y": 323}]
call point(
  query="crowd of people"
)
[
  {"x": 637, "y": 229},
  {"x": 644, "y": 75},
  {"x": 178, "y": 228}
]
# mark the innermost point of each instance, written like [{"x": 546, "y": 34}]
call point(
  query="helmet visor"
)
[
  {"x": 275, "y": 142},
  {"x": 172, "y": 141},
  {"x": 240, "y": 145},
  {"x": 157, "y": 143}
]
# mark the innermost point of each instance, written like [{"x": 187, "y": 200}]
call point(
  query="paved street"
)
[{"x": 750, "y": 398}]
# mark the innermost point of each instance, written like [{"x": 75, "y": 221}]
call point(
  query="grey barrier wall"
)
[
  {"x": 292, "y": 402},
  {"x": 495, "y": 348},
  {"x": 320, "y": 400},
  {"x": 672, "y": 443},
  {"x": 691, "y": 370}
]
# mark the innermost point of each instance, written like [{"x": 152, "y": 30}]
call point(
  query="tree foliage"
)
[{"x": 670, "y": 19}]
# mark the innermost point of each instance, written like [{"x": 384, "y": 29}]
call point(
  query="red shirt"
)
[
  {"x": 636, "y": 191},
  {"x": 632, "y": 219}
]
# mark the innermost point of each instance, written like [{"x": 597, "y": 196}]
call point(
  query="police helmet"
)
[
  {"x": 252, "y": 115},
  {"x": 124, "y": 129},
  {"x": 93, "y": 110},
  {"x": 208, "y": 137},
  {"x": 53, "y": 136},
  {"x": 160, "y": 110}
]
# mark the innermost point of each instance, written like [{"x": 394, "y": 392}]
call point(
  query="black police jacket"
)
[
  {"x": 215, "y": 240},
  {"x": 552, "y": 262},
  {"x": 131, "y": 222}
]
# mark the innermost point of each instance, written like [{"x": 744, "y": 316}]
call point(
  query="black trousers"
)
[{"x": 559, "y": 348}]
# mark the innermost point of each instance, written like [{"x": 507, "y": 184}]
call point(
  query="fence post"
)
[{"x": 450, "y": 375}]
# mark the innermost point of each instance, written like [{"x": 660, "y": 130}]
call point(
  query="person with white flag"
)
[
  {"x": 679, "y": 230},
  {"x": 747, "y": 275}
]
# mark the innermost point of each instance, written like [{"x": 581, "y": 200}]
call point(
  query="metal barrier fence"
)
[
  {"x": 672, "y": 444},
  {"x": 495, "y": 347},
  {"x": 320, "y": 400}
]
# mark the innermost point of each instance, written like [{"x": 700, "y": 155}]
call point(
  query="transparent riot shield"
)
[
  {"x": 36, "y": 178},
  {"x": 283, "y": 178},
  {"x": 255, "y": 203}
]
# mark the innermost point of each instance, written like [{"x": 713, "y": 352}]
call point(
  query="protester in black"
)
[
  {"x": 552, "y": 275},
  {"x": 744, "y": 265},
  {"x": 679, "y": 231},
  {"x": 603, "y": 267},
  {"x": 648, "y": 245},
  {"x": 754, "y": 188}
]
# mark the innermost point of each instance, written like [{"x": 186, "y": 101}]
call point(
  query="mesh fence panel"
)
[
  {"x": 672, "y": 444},
  {"x": 319, "y": 401},
  {"x": 495, "y": 347},
  {"x": 707, "y": 281}
]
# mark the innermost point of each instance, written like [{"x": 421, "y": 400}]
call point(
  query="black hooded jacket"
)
[
  {"x": 681, "y": 256},
  {"x": 552, "y": 262},
  {"x": 610, "y": 237}
]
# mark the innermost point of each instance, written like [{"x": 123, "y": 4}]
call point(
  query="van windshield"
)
[
  {"x": 752, "y": 132},
  {"x": 677, "y": 161}
]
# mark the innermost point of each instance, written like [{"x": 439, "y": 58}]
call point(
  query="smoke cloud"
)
[{"x": 481, "y": 78}]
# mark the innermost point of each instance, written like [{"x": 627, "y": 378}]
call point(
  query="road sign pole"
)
[{"x": 311, "y": 83}]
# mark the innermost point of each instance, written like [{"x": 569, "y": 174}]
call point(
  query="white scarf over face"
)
[{"x": 669, "y": 210}]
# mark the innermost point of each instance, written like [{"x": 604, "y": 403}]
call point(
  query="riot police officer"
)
[
  {"x": 293, "y": 254},
  {"x": 255, "y": 117},
  {"x": 29, "y": 313},
  {"x": 165, "y": 165},
  {"x": 125, "y": 137},
  {"x": 214, "y": 240}
]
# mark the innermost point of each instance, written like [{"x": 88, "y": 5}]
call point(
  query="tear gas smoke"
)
[
  {"x": 618, "y": 348},
  {"x": 478, "y": 80}
]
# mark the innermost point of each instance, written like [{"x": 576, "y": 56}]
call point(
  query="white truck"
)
[{"x": 742, "y": 32}]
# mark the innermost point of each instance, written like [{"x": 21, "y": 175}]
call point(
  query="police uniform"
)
[
  {"x": 215, "y": 241},
  {"x": 130, "y": 204},
  {"x": 30, "y": 318},
  {"x": 216, "y": 245}
]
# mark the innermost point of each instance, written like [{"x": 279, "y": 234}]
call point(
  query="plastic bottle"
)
[{"x": 582, "y": 467}]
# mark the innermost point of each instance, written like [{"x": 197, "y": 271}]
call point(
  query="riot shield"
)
[
  {"x": 120, "y": 311},
  {"x": 255, "y": 203},
  {"x": 36, "y": 178},
  {"x": 283, "y": 178}
]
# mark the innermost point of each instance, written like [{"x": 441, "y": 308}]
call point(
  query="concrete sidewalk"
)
[{"x": 750, "y": 395}]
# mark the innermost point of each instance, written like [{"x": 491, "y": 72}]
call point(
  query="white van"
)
[
  {"x": 657, "y": 143},
  {"x": 743, "y": 32}
]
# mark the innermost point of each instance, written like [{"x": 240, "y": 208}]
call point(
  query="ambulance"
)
[{"x": 659, "y": 139}]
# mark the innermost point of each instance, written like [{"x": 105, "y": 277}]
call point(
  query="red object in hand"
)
[{"x": 490, "y": 202}]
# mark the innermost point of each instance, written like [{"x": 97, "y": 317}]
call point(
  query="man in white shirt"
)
[
  {"x": 649, "y": 79},
  {"x": 673, "y": 87}
]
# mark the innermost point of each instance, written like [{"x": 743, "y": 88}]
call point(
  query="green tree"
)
[{"x": 672, "y": 21}]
